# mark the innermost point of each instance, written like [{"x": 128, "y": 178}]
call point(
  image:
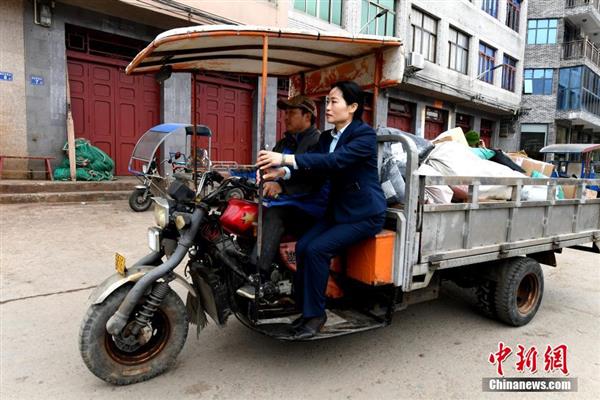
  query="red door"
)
[
  {"x": 226, "y": 108},
  {"x": 111, "y": 109},
  {"x": 485, "y": 133},
  {"x": 400, "y": 116},
  {"x": 281, "y": 95},
  {"x": 435, "y": 122},
  {"x": 463, "y": 121}
]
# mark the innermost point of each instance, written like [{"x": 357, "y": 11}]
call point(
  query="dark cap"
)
[{"x": 299, "y": 101}]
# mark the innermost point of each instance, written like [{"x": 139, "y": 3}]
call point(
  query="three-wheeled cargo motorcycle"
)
[{"x": 136, "y": 324}]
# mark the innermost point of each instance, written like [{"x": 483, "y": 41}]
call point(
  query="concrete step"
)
[
  {"x": 64, "y": 197},
  {"x": 25, "y": 186}
]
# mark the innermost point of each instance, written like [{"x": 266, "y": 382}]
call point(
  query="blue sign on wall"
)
[
  {"x": 6, "y": 76},
  {"x": 36, "y": 80}
]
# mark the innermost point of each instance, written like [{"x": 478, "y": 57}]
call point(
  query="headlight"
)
[
  {"x": 154, "y": 238},
  {"x": 161, "y": 212}
]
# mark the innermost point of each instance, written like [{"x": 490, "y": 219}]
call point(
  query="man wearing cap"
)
[{"x": 293, "y": 205}]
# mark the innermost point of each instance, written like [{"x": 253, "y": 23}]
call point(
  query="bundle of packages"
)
[
  {"x": 393, "y": 168},
  {"x": 455, "y": 159}
]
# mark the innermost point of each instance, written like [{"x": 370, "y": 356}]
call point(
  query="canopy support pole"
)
[
  {"x": 376, "y": 80},
  {"x": 262, "y": 116},
  {"x": 194, "y": 134}
]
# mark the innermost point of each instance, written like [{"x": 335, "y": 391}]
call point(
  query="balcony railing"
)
[
  {"x": 579, "y": 3},
  {"x": 581, "y": 49}
]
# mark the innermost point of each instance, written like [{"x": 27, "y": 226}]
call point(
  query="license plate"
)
[{"x": 120, "y": 264}]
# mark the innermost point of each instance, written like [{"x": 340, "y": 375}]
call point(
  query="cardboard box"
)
[
  {"x": 530, "y": 165},
  {"x": 452, "y": 135},
  {"x": 569, "y": 191},
  {"x": 591, "y": 194}
]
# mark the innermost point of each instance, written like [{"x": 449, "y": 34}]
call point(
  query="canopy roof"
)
[
  {"x": 239, "y": 49},
  {"x": 570, "y": 148}
]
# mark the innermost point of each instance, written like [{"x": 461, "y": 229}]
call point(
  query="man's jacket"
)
[
  {"x": 302, "y": 142},
  {"x": 305, "y": 192}
]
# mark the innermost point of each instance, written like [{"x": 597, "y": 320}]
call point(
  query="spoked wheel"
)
[
  {"x": 140, "y": 200},
  {"x": 128, "y": 358},
  {"x": 518, "y": 294}
]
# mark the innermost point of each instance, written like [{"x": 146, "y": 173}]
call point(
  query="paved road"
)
[{"x": 52, "y": 254}]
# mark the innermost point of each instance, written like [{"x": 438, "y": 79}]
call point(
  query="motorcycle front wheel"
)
[
  {"x": 139, "y": 200},
  {"x": 123, "y": 360}
]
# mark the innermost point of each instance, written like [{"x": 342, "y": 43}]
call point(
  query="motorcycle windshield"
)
[{"x": 147, "y": 145}]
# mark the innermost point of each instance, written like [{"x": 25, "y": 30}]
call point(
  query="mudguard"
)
[{"x": 133, "y": 274}]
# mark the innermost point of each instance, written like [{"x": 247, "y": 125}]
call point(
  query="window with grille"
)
[
  {"x": 487, "y": 57},
  {"x": 384, "y": 25},
  {"x": 424, "y": 34},
  {"x": 509, "y": 73},
  {"x": 458, "y": 55},
  {"x": 538, "y": 81},
  {"x": 327, "y": 10}
]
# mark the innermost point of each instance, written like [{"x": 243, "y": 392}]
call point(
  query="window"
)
[
  {"x": 327, "y": 10},
  {"x": 513, "y": 13},
  {"x": 541, "y": 31},
  {"x": 487, "y": 57},
  {"x": 459, "y": 51},
  {"x": 569, "y": 88},
  {"x": 384, "y": 25},
  {"x": 490, "y": 7},
  {"x": 509, "y": 73},
  {"x": 424, "y": 34},
  {"x": 538, "y": 81},
  {"x": 590, "y": 92}
]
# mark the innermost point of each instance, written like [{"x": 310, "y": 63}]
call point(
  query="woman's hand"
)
[
  {"x": 269, "y": 159},
  {"x": 273, "y": 174}
]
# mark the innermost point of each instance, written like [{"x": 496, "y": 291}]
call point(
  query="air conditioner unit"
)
[{"x": 415, "y": 61}]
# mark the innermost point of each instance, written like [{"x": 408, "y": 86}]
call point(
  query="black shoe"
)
[
  {"x": 295, "y": 324},
  {"x": 310, "y": 328}
]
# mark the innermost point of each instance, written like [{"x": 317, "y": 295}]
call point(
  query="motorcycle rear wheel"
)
[
  {"x": 111, "y": 360},
  {"x": 140, "y": 201}
]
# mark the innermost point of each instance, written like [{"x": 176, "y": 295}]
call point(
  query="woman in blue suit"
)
[{"x": 356, "y": 209}]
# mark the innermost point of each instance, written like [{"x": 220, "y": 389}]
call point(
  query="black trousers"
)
[
  {"x": 315, "y": 251},
  {"x": 276, "y": 222}
]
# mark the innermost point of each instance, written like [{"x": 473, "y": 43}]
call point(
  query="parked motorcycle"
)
[{"x": 153, "y": 183}]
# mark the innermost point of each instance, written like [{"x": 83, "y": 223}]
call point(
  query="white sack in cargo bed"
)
[
  {"x": 436, "y": 194},
  {"x": 454, "y": 159}
]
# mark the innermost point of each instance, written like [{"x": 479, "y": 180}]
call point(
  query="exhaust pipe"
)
[{"x": 117, "y": 322}]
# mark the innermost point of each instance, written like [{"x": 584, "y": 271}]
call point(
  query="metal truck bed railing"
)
[{"x": 431, "y": 237}]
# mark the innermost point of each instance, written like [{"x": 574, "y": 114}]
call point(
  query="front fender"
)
[{"x": 133, "y": 274}]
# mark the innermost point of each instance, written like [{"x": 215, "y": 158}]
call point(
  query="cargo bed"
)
[{"x": 432, "y": 237}]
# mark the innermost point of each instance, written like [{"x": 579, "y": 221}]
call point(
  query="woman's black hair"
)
[{"x": 352, "y": 93}]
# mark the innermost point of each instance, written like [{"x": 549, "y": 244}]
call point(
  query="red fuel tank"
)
[{"x": 239, "y": 217}]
